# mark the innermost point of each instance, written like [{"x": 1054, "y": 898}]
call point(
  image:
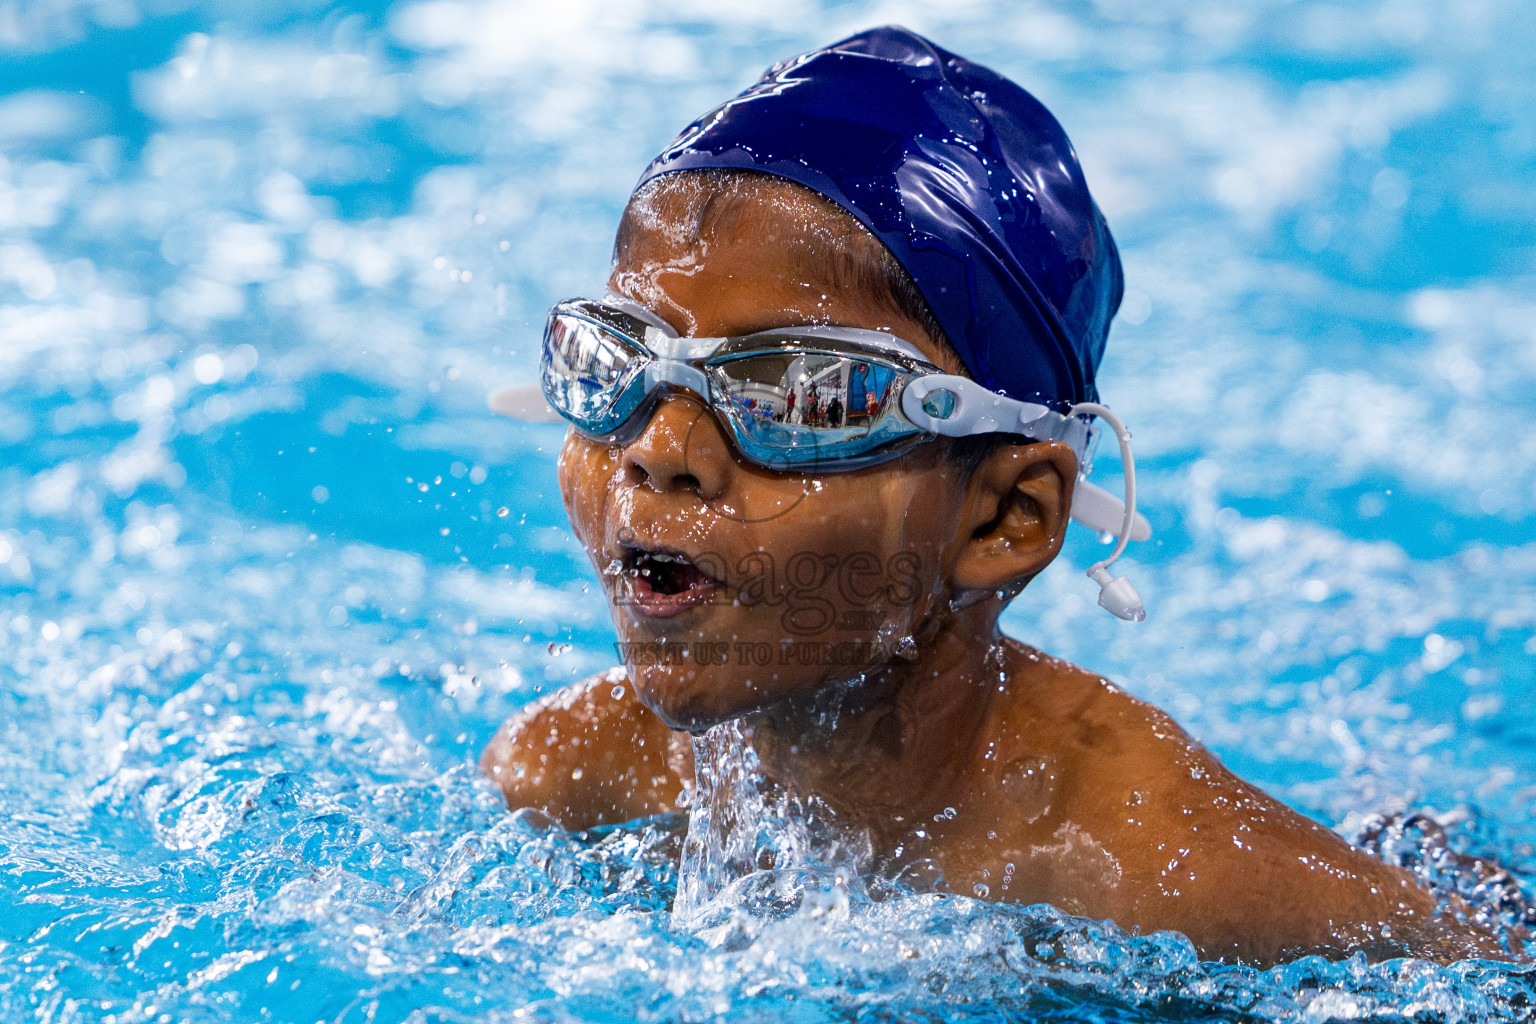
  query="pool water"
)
[{"x": 271, "y": 575}]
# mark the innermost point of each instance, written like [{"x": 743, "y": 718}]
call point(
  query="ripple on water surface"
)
[{"x": 270, "y": 575}]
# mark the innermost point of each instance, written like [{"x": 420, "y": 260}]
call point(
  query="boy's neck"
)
[{"x": 887, "y": 752}]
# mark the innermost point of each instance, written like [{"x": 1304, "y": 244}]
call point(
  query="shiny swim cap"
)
[{"x": 965, "y": 177}]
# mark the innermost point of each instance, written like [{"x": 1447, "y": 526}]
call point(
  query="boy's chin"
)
[{"x": 694, "y": 700}]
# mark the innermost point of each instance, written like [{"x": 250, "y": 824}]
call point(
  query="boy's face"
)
[{"x": 769, "y": 585}]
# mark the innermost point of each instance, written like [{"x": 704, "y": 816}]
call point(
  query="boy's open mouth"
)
[{"x": 661, "y": 584}]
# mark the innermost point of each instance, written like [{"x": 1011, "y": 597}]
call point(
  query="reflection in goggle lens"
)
[
  {"x": 799, "y": 399},
  {"x": 584, "y": 367}
]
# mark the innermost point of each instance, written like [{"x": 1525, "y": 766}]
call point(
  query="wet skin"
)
[{"x": 1065, "y": 790}]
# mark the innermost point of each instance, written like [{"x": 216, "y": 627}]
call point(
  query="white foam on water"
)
[{"x": 239, "y": 716}]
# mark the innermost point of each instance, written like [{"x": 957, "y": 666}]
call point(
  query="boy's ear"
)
[{"x": 1018, "y": 503}]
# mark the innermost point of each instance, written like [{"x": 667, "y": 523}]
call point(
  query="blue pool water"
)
[{"x": 270, "y": 574}]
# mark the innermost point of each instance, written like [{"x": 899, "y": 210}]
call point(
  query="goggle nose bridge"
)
[{"x": 676, "y": 375}]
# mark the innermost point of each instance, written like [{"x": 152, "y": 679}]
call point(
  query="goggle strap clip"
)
[{"x": 959, "y": 407}]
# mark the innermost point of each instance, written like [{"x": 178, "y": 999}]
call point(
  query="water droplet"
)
[
  {"x": 502, "y": 512},
  {"x": 906, "y": 648},
  {"x": 617, "y": 693},
  {"x": 557, "y": 649},
  {"x": 980, "y": 891}
]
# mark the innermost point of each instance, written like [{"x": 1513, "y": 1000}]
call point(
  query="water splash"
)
[
  {"x": 235, "y": 732},
  {"x": 1452, "y": 857},
  {"x": 750, "y": 838}
]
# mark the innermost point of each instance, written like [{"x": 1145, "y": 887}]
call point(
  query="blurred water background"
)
[{"x": 270, "y": 574}]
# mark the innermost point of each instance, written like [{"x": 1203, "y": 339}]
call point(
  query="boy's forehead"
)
[
  {"x": 770, "y": 255},
  {"x": 678, "y": 223}
]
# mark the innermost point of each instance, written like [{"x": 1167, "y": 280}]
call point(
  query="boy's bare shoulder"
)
[
  {"x": 1183, "y": 840},
  {"x": 589, "y": 754},
  {"x": 1081, "y": 713},
  {"x": 1126, "y": 763}
]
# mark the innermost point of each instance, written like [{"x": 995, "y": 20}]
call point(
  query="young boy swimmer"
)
[{"x": 867, "y": 220}]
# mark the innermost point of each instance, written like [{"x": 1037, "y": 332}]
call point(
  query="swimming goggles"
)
[{"x": 812, "y": 399}]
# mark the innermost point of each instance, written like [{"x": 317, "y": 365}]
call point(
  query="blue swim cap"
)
[{"x": 965, "y": 177}]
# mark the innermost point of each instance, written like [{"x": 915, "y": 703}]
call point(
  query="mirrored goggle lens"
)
[
  {"x": 792, "y": 407},
  {"x": 586, "y": 371}
]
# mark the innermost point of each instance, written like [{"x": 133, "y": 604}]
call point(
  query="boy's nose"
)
[{"x": 681, "y": 447}]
